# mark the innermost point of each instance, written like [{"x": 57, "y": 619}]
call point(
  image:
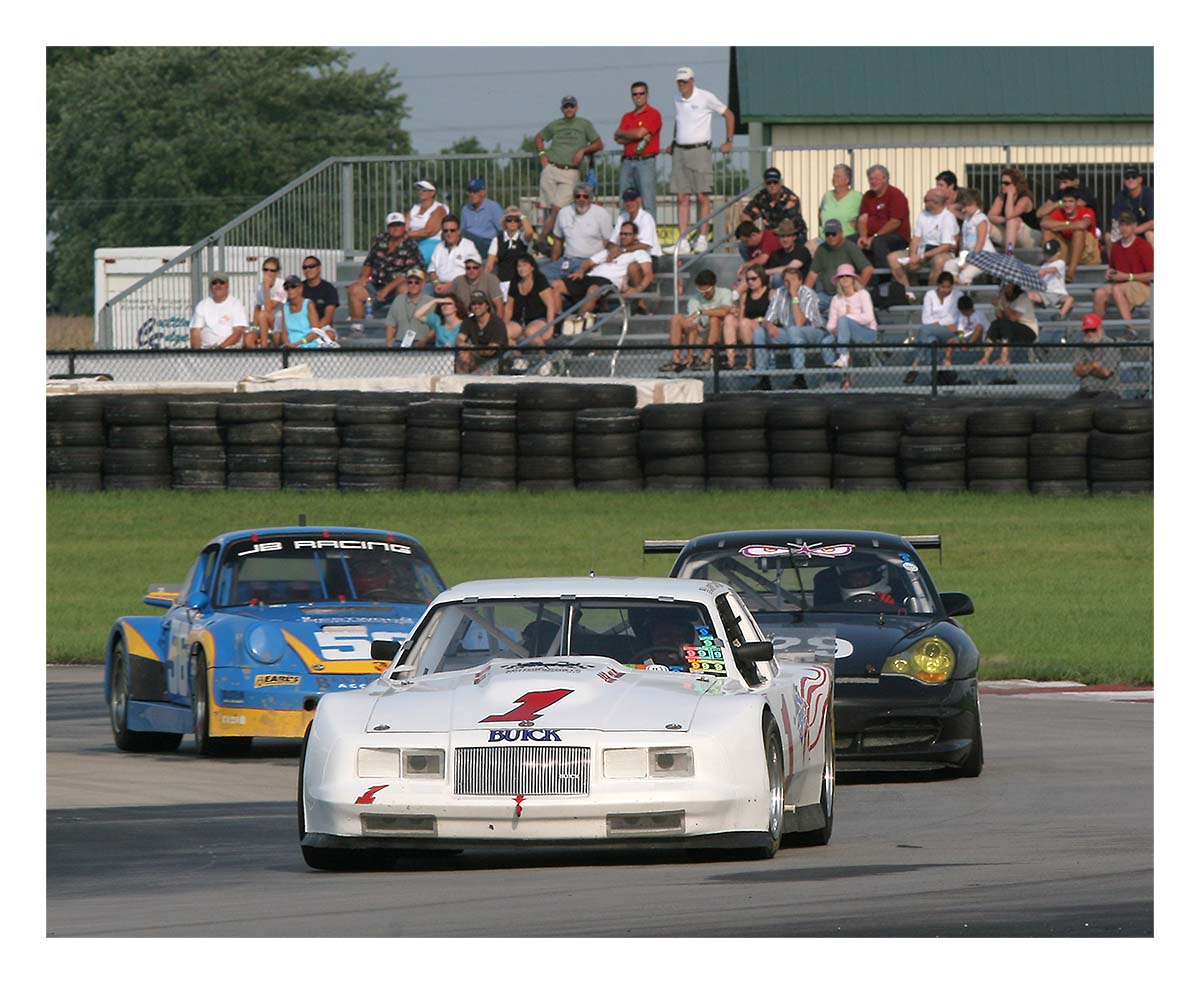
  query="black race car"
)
[{"x": 906, "y": 695}]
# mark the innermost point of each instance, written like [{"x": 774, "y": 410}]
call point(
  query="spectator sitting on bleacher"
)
[
  {"x": 449, "y": 260},
  {"x": 842, "y": 204},
  {"x": 481, "y": 217},
  {"x": 579, "y": 232},
  {"x": 268, "y": 306},
  {"x": 1130, "y": 271},
  {"x": 792, "y": 254},
  {"x": 968, "y": 325},
  {"x": 794, "y": 314},
  {"x": 834, "y": 253},
  {"x": 445, "y": 321},
  {"x": 531, "y": 303},
  {"x": 1012, "y": 217},
  {"x": 647, "y": 228},
  {"x": 883, "y": 225},
  {"x": 947, "y": 183},
  {"x": 382, "y": 276},
  {"x": 425, "y": 219},
  {"x": 1014, "y": 322},
  {"x": 483, "y": 329},
  {"x": 934, "y": 240},
  {"x": 748, "y": 314},
  {"x": 1074, "y": 226},
  {"x": 322, "y": 293},
  {"x": 939, "y": 319},
  {"x": 1098, "y": 372},
  {"x": 709, "y": 303},
  {"x": 405, "y": 314},
  {"x": 1053, "y": 271},
  {"x": 629, "y": 273},
  {"x": 299, "y": 324},
  {"x": 851, "y": 314},
  {"x": 514, "y": 240},
  {"x": 1136, "y": 198},
  {"x": 756, "y": 244},
  {"x": 774, "y": 204},
  {"x": 472, "y": 279},
  {"x": 1067, "y": 179},
  {"x": 219, "y": 320},
  {"x": 976, "y": 237}
]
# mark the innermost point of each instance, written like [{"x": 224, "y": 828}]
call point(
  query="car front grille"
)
[{"x": 563, "y": 770}]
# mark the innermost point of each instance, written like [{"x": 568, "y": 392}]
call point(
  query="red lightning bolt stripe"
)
[
  {"x": 369, "y": 795},
  {"x": 519, "y": 800}
]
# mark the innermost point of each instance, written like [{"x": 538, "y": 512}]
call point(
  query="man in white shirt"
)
[
  {"x": 628, "y": 272},
  {"x": 647, "y": 228},
  {"x": 691, "y": 152},
  {"x": 449, "y": 259},
  {"x": 579, "y": 232},
  {"x": 219, "y": 320},
  {"x": 934, "y": 240}
]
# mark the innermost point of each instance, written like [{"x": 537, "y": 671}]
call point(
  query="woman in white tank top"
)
[{"x": 425, "y": 219}]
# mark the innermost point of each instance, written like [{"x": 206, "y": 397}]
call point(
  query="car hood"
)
[
  {"x": 568, "y": 693},
  {"x": 859, "y": 643}
]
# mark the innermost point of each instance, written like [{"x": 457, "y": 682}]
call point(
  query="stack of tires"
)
[
  {"x": 998, "y": 449},
  {"x": 800, "y": 445},
  {"x": 546, "y": 435},
  {"x": 735, "y": 444},
  {"x": 606, "y": 449},
  {"x": 489, "y": 438},
  {"x": 671, "y": 445},
  {"x": 198, "y": 458},
  {"x": 310, "y": 443},
  {"x": 138, "y": 455},
  {"x": 373, "y": 437},
  {"x": 866, "y": 444},
  {"x": 1121, "y": 448},
  {"x": 933, "y": 450},
  {"x": 75, "y": 443},
  {"x": 434, "y": 441},
  {"x": 253, "y": 442},
  {"x": 1058, "y": 448}
]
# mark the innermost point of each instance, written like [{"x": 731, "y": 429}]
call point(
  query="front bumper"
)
[{"x": 899, "y": 724}]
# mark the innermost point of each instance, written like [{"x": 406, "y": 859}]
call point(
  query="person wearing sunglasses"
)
[
  {"x": 691, "y": 154},
  {"x": 570, "y": 139},
  {"x": 481, "y": 218},
  {"x": 382, "y": 275},
  {"x": 836, "y": 250},
  {"x": 410, "y": 311},
  {"x": 268, "y": 306},
  {"x": 449, "y": 260},
  {"x": 322, "y": 293},
  {"x": 218, "y": 321},
  {"x": 299, "y": 318},
  {"x": 639, "y": 132},
  {"x": 776, "y": 203},
  {"x": 1012, "y": 219},
  {"x": 579, "y": 233},
  {"x": 512, "y": 242}
]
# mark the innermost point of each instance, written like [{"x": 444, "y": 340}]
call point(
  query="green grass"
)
[{"x": 1063, "y": 587}]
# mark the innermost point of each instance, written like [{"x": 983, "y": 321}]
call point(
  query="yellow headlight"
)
[{"x": 929, "y": 661}]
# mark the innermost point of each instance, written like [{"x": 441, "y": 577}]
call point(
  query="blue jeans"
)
[
  {"x": 642, "y": 174},
  {"x": 938, "y": 333},
  {"x": 558, "y": 269},
  {"x": 808, "y": 335},
  {"x": 823, "y": 300},
  {"x": 849, "y": 330}
]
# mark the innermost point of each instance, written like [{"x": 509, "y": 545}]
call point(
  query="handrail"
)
[
  {"x": 532, "y": 342},
  {"x": 676, "y": 265}
]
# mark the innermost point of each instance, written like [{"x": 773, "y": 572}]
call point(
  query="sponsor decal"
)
[
  {"x": 524, "y": 734},
  {"x": 610, "y": 676},
  {"x": 907, "y": 558},
  {"x": 353, "y": 686},
  {"x": 565, "y": 665},
  {"x": 340, "y": 642},
  {"x": 276, "y": 680},
  {"x": 482, "y": 675},
  {"x": 909, "y": 566},
  {"x": 660, "y": 669},
  {"x": 368, "y": 797},
  {"x": 801, "y": 548},
  {"x": 820, "y": 645},
  {"x": 528, "y": 706},
  {"x": 270, "y": 546},
  {"x": 233, "y": 718}
]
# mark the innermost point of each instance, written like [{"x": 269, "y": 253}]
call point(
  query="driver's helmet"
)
[
  {"x": 372, "y": 574},
  {"x": 863, "y": 578}
]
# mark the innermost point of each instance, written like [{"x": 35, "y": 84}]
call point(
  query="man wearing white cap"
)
[
  {"x": 382, "y": 275},
  {"x": 691, "y": 152}
]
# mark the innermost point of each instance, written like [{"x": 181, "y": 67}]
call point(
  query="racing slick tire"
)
[
  {"x": 118, "y": 712},
  {"x": 972, "y": 766},
  {"x": 773, "y": 753},
  {"x": 205, "y": 743},
  {"x": 821, "y": 835}
]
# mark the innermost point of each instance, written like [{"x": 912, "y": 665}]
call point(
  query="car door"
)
[{"x": 195, "y": 593}]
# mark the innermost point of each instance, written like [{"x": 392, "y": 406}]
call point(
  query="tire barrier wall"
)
[{"x": 546, "y": 435}]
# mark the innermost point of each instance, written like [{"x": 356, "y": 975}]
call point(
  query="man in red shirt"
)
[
  {"x": 882, "y": 218},
  {"x": 639, "y": 132},
  {"x": 1130, "y": 270},
  {"x": 1074, "y": 226}
]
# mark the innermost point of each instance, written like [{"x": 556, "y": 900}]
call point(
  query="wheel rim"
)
[
  {"x": 828, "y": 770},
  {"x": 775, "y": 770},
  {"x": 199, "y": 702},
  {"x": 118, "y": 703}
]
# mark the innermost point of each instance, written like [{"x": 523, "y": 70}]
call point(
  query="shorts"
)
[
  {"x": 1027, "y": 238},
  {"x": 692, "y": 171},
  {"x": 556, "y": 186},
  {"x": 1090, "y": 255},
  {"x": 966, "y": 273},
  {"x": 1052, "y": 299},
  {"x": 1136, "y": 292}
]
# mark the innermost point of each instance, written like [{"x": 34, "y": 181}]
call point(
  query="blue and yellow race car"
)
[{"x": 267, "y": 622}]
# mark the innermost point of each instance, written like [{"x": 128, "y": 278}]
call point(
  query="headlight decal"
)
[{"x": 928, "y": 661}]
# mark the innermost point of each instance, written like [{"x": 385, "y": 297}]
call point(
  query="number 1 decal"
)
[{"x": 529, "y": 704}]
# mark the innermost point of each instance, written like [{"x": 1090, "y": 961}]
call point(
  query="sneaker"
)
[
  {"x": 356, "y": 327},
  {"x": 962, "y": 258},
  {"x": 842, "y": 361},
  {"x": 910, "y": 297},
  {"x": 670, "y": 367},
  {"x": 682, "y": 248},
  {"x": 701, "y": 244},
  {"x": 519, "y": 364}
]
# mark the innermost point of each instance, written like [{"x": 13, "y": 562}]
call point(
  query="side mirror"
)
[
  {"x": 957, "y": 603},
  {"x": 384, "y": 649},
  {"x": 755, "y": 652}
]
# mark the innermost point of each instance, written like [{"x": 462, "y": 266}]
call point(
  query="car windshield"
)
[
  {"x": 817, "y": 577},
  {"x": 641, "y": 634},
  {"x": 283, "y": 570}
]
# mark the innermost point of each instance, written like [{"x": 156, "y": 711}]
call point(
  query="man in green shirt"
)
[
  {"x": 708, "y": 306},
  {"x": 832, "y": 253},
  {"x": 571, "y": 139}
]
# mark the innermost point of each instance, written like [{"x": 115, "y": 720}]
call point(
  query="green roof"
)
[{"x": 809, "y": 85}]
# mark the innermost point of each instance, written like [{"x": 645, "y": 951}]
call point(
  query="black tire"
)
[
  {"x": 422, "y": 438},
  {"x": 356, "y": 483},
  {"x": 421, "y": 481},
  {"x": 89, "y": 481},
  {"x": 551, "y": 396},
  {"x": 675, "y": 466},
  {"x": 972, "y": 766},
  {"x": 540, "y": 445},
  {"x": 799, "y": 481},
  {"x": 473, "y": 483},
  {"x": 374, "y": 435},
  {"x": 732, "y": 440},
  {"x": 812, "y": 463},
  {"x": 253, "y": 458},
  {"x": 1120, "y": 446},
  {"x": 606, "y": 420},
  {"x": 928, "y": 422},
  {"x": 608, "y": 469},
  {"x": 738, "y": 483},
  {"x": 253, "y": 481},
  {"x": 312, "y": 436},
  {"x": 934, "y": 485},
  {"x": 1009, "y": 468},
  {"x": 433, "y": 462},
  {"x": 136, "y": 462},
  {"x": 676, "y": 483},
  {"x": 882, "y": 444},
  {"x": 821, "y": 835},
  {"x": 799, "y": 440},
  {"x": 136, "y": 411},
  {"x": 545, "y": 421},
  {"x": 672, "y": 416},
  {"x": 540, "y": 467},
  {"x": 1054, "y": 444},
  {"x": 935, "y": 471},
  {"x": 1122, "y": 488},
  {"x": 863, "y": 466},
  {"x": 435, "y": 413},
  {"x": 488, "y": 422},
  {"x": 738, "y": 464},
  {"x": 1000, "y": 421},
  {"x": 610, "y": 485},
  {"x": 998, "y": 446},
  {"x": 670, "y": 443},
  {"x": 304, "y": 457},
  {"x": 773, "y": 760},
  {"x": 368, "y": 413},
  {"x": 798, "y": 417},
  {"x": 74, "y": 433},
  {"x": 194, "y": 411},
  {"x": 142, "y": 436},
  {"x": 118, "y": 713},
  {"x": 1066, "y": 487},
  {"x": 310, "y": 481},
  {"x": 1065, "y": 418},
  {"x": 192, "y": 433},
  {"x": 197, "y": 479},
  {"x": 205, "y": 743},
  {"x": 617, "y": 396},
  {"x": 310, "y": 413},
  {"x": 497, "y": 466},
  {"x": 1066, "y": 468},
  {"x": 1132, "y": 417},
  {"x": 925, "y": 449},
  {"x": 868, "y": 484},
  {"x": 1004, "y": 486},
  {"x": 72, "y": 459},
  {"x": 75, "y": 407},
  {"x": 606, "y": 445},
  {"x": 732, "y": 416},
  {"x": 546, "y": 484},
  {"x": 865, "y": 417},
  {"x": 249, "y": 411},
  {"x": 1121, "y": 470},
  {"x": 350, "y": 459},
  {"x": 260, "y": 433}
]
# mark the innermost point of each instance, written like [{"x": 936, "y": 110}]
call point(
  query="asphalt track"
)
[{"x": 1054, "y": 839}]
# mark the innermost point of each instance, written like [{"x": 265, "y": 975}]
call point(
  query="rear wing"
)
[
  {"x": 662, "y": 546},
  {"x": 922, "y": 541},
  {"x": 162, "y": 595},
  {"x": 927, "y": 541}
]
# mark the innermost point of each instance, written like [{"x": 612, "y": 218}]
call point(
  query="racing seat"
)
[
  {"x": 539, "y": 635},
  {"x": 825, "y": 589}
]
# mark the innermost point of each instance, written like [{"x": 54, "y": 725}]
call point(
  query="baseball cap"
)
[
  {"x": 394, "y": 217},
  {"x": 683, "y": 72},
  {"x": 1068, "y": 173},
  {"x": 1091, "y": 322},
  {"x": 1126, "y": 218},
  {"x": 831, "y": 226},
  {"x": 629, "y": 194},
  {"x": 415, "y": 273},
  {"x": 218, "y": 275},
  {"x": 1133, "y": 171},
  {"x": 471, "y": 253},
  {"x": 478, "y": 297},
  {"x": 1050, "y": 247},
  {"x": 476, "y": 184},
  {"x": 292, "y": 281},
  {"x": 786, "y": 228},
  {"x": 569, "y": 101},
  {"x": 427, "y": 185},
  {"x": 772, "y": 174}
]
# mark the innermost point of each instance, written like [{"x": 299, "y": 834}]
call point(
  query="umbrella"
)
[{"x": 1009, "y": 269}]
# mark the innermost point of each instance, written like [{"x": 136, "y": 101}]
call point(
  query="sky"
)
[{"x": 502, "y": 94}]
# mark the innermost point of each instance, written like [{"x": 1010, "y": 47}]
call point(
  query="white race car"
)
[{"x": 586, "y": 711}]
